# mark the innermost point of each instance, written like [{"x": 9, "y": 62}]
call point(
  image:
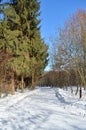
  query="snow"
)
[{"x": 44, "y": 108}]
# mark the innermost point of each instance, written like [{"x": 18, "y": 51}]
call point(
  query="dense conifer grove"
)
[{"x": 23, "y": 52}]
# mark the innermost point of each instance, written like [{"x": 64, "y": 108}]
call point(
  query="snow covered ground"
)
[{"x": 43, "y": 109}]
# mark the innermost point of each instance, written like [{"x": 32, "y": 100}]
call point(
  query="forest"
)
[
  {"x": 24, "y": 53},
  {"x": 33, "y": 97}
]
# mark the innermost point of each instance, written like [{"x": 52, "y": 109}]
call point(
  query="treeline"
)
[
  {"x": 60, "y": 79},
  {"x": 23, "y": 53}
]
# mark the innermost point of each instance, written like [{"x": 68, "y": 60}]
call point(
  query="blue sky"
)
[{"x": 55, "y": 12}]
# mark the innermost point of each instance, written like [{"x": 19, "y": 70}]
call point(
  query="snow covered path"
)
[{"x": 42, "y": 109}]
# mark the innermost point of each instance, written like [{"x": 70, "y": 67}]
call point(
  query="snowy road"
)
[{"x": 42, "y": 109}]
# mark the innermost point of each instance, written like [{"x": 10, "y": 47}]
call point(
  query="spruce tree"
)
[
  {"x": 24, "y": 39},
  {"x": 28, "y": 10}
]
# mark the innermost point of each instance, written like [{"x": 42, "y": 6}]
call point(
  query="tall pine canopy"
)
[{"x": 20, "y": 36}]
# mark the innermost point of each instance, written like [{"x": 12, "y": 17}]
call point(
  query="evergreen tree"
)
[
  {"x": 21, "y": 36},
  {"x": 28, "y": 10}
]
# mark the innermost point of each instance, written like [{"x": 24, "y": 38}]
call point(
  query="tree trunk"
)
[
  {"x": 32, "y": 86},
  {"x": 80, "y": 93},
  {"x": 22, "y": 84},
  {"x": 12, "y": 85},
  {"x": 76, "y": 90}
]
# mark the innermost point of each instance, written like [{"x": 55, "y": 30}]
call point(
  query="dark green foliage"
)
[{"x": 20, "y": 36}]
